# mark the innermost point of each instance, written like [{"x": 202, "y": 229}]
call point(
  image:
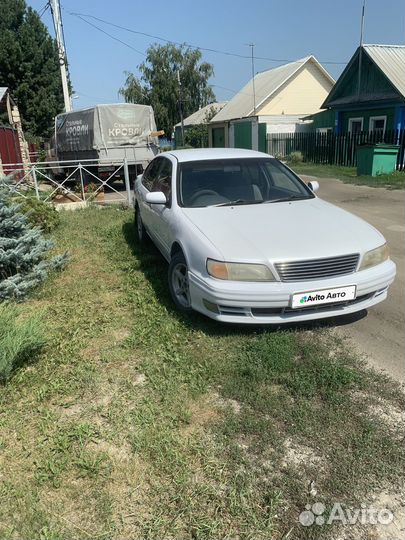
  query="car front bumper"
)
[{"x": 270, "y": 303}]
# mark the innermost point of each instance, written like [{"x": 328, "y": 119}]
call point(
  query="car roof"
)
[{"x": 201, "y": 154}]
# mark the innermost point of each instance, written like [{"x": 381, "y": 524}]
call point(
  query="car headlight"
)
[
  {"x": 239, "y": 271},
  {"x": 374, "y": 257}
]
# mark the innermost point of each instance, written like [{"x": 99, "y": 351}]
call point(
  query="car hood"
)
[{"x": 282, "y": 231}]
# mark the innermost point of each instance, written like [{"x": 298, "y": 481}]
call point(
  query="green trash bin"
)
[{"x": 376, "y": 159}]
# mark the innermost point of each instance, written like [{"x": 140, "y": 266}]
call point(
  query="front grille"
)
[
  {"x": 321, "y": 308},
  {"x": 317, "y": 268}
]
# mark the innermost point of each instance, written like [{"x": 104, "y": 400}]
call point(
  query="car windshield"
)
[{"x": 238, "y": 182}]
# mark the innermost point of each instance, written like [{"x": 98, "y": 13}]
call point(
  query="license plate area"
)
[{"x": 323, "y": 296}]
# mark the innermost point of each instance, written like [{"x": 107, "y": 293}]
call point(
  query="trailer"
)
[{"x": 105, "y": 134}]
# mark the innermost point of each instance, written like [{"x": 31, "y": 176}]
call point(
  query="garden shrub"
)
[
  {"x": 39, "y": 213},
  {"x": 23, "y": 251},
  {"x": 295, "y": 157}
]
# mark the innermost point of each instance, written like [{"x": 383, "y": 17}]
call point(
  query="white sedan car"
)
[{"x": 248, "y": 241}]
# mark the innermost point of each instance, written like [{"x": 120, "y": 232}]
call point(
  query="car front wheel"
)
[{"x": 179, "y": 282}]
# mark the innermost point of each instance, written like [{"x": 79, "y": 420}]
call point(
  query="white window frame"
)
[
  {"x": 358, "y": 119},
  {"x": 371, "y": 120},
  {"x": 324, "y": 130}
]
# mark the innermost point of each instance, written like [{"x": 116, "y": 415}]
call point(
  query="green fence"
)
[{"x": 333, "y": 149}]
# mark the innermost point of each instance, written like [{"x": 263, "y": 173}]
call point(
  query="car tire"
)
[
  {"x": 140, "y": 230},
  {"x": 179, "y": 283}
]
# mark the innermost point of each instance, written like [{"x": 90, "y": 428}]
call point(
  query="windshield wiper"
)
[
  {"x": 237, "y": 202},
  {"x": 290, "y": 198}
]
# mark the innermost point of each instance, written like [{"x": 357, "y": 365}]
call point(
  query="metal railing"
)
[{"x": 49, "y": 179}]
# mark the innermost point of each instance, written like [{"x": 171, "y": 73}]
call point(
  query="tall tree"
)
[
  {"x": 158, "y": 85},
  {"x": 29, "y": 66}
]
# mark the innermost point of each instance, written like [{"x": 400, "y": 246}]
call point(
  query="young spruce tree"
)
[{"x": 23, "y": 250}]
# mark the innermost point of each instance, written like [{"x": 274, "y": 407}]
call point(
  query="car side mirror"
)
[
  {"x": 156, "y": 197},
  {"x": 313, "y": 185}
]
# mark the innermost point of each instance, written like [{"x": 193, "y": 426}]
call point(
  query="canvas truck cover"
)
[{"x": 105, "y": 126}]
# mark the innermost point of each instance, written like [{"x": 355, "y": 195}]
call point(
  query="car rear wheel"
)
[{"x": 179, "y": 282}]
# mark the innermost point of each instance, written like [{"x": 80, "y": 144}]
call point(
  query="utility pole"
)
[
  {"x": 181, "y": 106},
  {"x": 252, "y": 45},
  {"x": 57, "y": 21}
]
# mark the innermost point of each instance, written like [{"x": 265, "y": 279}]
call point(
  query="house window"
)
[
  {"x": 355, "y": 125},
  {"x": 324, "y": 130},
  {"x": 377, "y": 123}
]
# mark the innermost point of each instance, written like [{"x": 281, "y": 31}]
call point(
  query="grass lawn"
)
[
  {"x": 138, "y": 422},
  {"x": 348, "y": 175}
]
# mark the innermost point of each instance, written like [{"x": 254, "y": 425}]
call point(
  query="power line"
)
[
  {"x": 42, "y": 11},
  {"x": 107, "y": 34},
  {"x": 197, "y": 47},
  {"x": 80, "y": 15},
  {"x": 232, "y": 90}
]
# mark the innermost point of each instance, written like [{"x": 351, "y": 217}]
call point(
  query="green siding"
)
[
  {"x": 374, "y": 86},
  {"x": 366, "y": 114},
  {"x": 218, "y": 137},
  {"x": 262, "y": 138},
  {"x": 323, "y": 119},
  {"x": 243, "y": 135},
  {"x": 372, "y": 80}
]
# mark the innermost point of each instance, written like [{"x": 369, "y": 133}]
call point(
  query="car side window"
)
[
  {"x": 163, "y": 182},
  {"x": 151, "y": 173}
]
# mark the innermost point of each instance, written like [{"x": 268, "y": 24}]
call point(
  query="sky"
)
[{"x": 281, "y": 30}]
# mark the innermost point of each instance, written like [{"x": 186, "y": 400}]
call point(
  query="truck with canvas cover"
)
[{"x": 106, "y": 134}]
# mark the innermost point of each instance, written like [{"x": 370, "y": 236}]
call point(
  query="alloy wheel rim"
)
[{"x": 180, "y": 284}]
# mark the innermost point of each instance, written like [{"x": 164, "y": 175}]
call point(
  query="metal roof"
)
[
  {"x": 199, "y": 116},
  {"x": 391, "y": 60},
  {"x": 266, "y": 84}
]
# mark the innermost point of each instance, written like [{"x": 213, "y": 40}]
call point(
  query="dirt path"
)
[{"x": 381, "y": 334}]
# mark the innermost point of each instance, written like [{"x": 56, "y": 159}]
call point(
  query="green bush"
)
[
  {"x": 295, "y": 157},
  {"x": 24, "y": 259},
  {"x": 39, "y": 213},
  {"x": 20, "y": 339}
]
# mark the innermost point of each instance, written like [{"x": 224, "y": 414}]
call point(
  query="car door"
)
[
  {"x": 148, "y": 179},
  {"x": 162, "y": 214}
]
